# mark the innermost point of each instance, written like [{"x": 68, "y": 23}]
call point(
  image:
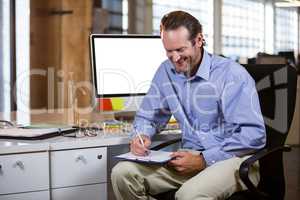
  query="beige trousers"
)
[{"x": 132, "y": 180}]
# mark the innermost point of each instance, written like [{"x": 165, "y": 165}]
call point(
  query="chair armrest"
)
[
  {"x": 165, "y": 144},
  {"x": 245, "y": 166}
]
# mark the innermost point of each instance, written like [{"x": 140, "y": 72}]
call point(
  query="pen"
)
[{"x": 141, "y": 141}]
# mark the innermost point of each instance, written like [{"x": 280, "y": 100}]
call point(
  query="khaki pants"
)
[{"x": 132, "y": 180}]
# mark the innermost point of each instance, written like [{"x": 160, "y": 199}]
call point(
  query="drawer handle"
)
[
  {"x": 81, "y": 158},
  {"x": 19, "y": 164},
  {"x": 61, "y": 12},
  {"x": 99, "y": 157}
]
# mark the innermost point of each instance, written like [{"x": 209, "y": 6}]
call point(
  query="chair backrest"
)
[{"x": 276, "y": 86}]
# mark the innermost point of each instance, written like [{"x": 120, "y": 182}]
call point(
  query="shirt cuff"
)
[
  {"x": 142, "y": 127},
  {"x": 213, "y": 155}
]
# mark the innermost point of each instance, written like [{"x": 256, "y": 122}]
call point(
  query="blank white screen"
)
[{"x": 126, "y": 65}]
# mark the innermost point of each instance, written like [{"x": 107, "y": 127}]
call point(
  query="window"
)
[
  {"x": 114, "y": 7},
  {"x": 5, "y": 62},
  {"x": 286, "y": 29},
  {"x": 22, "y": 82},
  {"x": 125, "y": 16},
  {"x": 201, "y": 9},
  {"x": 242, "y": 27},
  {"x": 14, "y": 59}
]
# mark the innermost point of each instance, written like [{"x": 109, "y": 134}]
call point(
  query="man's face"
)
[{"x": 180, "y": 50}]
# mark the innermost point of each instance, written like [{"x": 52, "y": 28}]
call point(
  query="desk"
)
[{"x": 61, "y": 168}]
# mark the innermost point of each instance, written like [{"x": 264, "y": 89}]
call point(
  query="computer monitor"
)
[{"x": 124, "y": 65}]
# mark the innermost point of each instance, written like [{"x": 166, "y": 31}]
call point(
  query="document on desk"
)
[
  {"x": 154, "y": 157},
  {"x": 27, "y": 133}
]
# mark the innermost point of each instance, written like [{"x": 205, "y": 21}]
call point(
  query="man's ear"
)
[{"x": 199, "y": 40}]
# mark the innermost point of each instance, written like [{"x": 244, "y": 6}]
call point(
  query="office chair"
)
[{"x": 276, "y": 86}]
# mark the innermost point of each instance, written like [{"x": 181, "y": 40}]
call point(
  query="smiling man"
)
[
  {"x": 183, "y": 53},
  {"x": 216, "y": 105}
]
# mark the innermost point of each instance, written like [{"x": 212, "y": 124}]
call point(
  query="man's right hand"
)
[{"x": 137, "y": 148}]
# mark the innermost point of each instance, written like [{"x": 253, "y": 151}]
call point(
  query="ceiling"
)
[{"x": 287, "y": 3}]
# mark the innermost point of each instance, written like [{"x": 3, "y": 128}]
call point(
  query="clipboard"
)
[
  {"x": 154, "y": 157},
  {"x": 33, "y": 134}
]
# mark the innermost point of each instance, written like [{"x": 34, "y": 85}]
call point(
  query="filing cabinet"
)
[
  {"x": 24, "y": 176},
  {"x": 79, "y": 174},
  {"x": 62, "y": 168}
]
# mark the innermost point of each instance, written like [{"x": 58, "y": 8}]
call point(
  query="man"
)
[{"x": 216, "y": 105}]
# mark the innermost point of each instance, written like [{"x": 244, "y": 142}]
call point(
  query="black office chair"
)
[{"x": 276, "y": 85}]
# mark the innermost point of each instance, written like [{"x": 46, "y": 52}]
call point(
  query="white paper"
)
[{"x": 153, "y": 157}]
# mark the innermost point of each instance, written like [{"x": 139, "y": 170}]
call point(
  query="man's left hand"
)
[{"x": 186, "y": 162}]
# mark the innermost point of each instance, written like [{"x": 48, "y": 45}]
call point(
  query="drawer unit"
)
[
  {"x": 43, "y": 195},
  {"x": 89, "y": 192},
  {"x": 24, "y": 172},
  {"x": 78, "y": 167}
]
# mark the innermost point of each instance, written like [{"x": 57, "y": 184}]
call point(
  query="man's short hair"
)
[{"x": 176, "y": 19}]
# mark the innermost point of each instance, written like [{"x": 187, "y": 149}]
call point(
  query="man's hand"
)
[
  {"x": 187, "y": 163},
  {"x": 137, "y": 148}
]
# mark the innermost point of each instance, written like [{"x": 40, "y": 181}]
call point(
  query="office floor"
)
[{"x": 292, "y": 173}]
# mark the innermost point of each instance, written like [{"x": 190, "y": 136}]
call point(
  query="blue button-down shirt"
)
[{"x": 217, "y": 109}]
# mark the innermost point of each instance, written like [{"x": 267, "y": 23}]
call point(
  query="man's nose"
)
[{"x": 175, "y": 56}]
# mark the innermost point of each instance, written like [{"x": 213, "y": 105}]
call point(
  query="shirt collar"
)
[{"x": 204, "y": 68}]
